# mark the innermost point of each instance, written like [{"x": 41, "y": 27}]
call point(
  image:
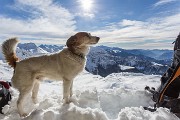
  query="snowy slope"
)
[
  {"x": 116, "y": 97},
  {"x": 103, "y": 60},
  {"x": 27, "y": 50},
  {"x": 5, "y": 71}
]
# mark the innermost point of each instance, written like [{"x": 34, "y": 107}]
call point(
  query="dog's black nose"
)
[{"x": 98, "y": 38}]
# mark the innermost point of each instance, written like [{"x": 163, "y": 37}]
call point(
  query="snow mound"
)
[
  {"x": 135, "y": 113},
  {"x": 67, "y": 112},
  {"x": 118, "y": 96}
]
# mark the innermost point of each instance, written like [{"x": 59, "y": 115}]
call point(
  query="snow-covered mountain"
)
[
  {"x": 30, "y": 49},
  {"x": 51, "y": 48},
  {"x": 119, "y": 96},
  {"x": 156, "y": 54},
  {"x": 103, "y": 60}
]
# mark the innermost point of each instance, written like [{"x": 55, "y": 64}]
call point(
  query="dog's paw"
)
[
  {"x": 66, "y": 101},
  {"x": 23, "y": 115},
  {"x": 71, "y": 100},
  {"x": 74, "y": 100}
]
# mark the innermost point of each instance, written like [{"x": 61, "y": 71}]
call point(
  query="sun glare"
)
[{"x": 86, "y": 4}]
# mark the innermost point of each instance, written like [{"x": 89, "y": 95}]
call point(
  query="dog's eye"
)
[{"x": 89, "y": 35}]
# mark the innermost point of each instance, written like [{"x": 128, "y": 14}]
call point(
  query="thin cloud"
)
[
  {"x": 163, "y": 2},
  {"x": 48, "y": 21},
  {"x": 165, "y": 28}
]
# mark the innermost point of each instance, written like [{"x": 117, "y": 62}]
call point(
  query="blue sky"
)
[{"x": 130, "y": 24}]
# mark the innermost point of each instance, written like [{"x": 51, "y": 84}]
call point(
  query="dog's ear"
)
[{"x": 71, "y": 42}]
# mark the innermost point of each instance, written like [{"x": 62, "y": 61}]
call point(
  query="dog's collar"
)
[
  {"x": 82, "y": 56},
  {"x": 75, "y": 57}
]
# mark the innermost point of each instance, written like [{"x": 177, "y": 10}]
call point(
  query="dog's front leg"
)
[
  {"x": 20, "y": 101},
  {"x": 71, "y": 89},
  {"x": 35, "y": 92},
  {"x": 66, "y": 90}
]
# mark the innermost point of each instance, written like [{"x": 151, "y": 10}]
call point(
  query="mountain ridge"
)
[{"x": 104, "y": 60}]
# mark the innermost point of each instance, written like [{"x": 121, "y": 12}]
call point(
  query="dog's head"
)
[{"x": 81, "y": 39}]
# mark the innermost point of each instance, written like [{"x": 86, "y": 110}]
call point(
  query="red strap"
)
[{"x": 5, "y": 84}]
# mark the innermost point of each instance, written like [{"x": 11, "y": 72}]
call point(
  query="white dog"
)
[{"x": 65, "y": 65}]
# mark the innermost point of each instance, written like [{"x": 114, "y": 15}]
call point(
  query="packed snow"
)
[
  {"x": 156, "y": 64},
  {"x": 118, "y": 96},
  {"x": 116, "y": 51},
  {"x": 124, "y": 67}
]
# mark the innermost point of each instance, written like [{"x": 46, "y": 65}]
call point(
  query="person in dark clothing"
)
[
  {"x": 170, "y": 81},
  {"x": 167, "y": 95},
  {"x": 173, "y": 89}
]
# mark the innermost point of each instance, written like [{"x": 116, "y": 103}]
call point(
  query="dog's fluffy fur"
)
[{"x": 65, "y": 65}]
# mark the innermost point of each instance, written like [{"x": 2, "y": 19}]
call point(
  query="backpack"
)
[
  {"x": 5, "y": 95},
  {"x": 168, "y": 92}
]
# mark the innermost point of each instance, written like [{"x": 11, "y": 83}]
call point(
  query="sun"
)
[{"x": 86, "y": 4}]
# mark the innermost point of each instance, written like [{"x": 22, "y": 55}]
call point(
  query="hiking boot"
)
[{"x": 155, "y": 94}]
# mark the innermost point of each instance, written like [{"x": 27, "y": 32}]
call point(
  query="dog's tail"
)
[{"x": 9, "y": 51}]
